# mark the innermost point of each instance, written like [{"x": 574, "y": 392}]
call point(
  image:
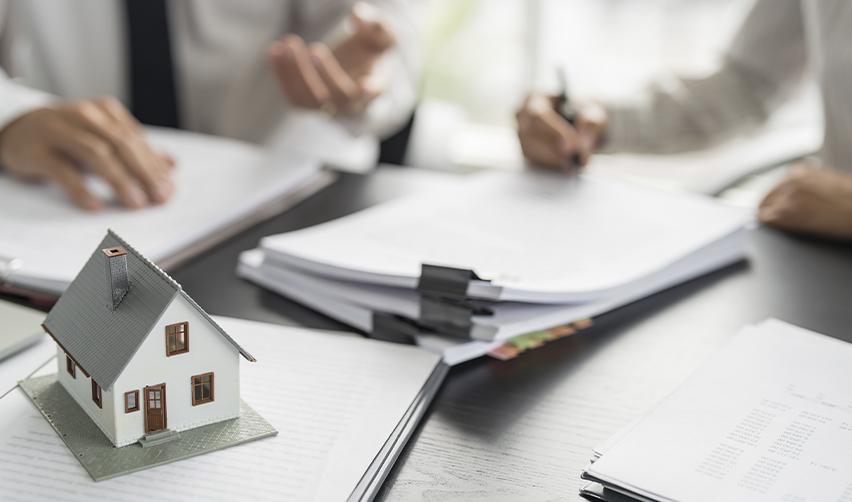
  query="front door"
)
[{"x": 155, "y": 408}]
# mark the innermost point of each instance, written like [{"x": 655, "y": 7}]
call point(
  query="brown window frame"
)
[
  {"x": 194, "y": 384},
  {"x": 97, "y": 394},
  {"x": 70, "y": 366},
  {"x": 127, "y": 408},
  {"x": 174, "y": 332}
]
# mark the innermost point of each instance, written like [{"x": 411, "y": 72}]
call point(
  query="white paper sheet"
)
[
  {"x": 713, "y": 169},
  {"x": 539, "y": 237},
  {"x": 768, "y": 418},
  {"x": 317, "y": 136},
  {"x": 454, "y": 350},
  {"x": 507, "y": 319},
  {"x": 334, "y": 399},
  {"x": 218, "y": 181}
]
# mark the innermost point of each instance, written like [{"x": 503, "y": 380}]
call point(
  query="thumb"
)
[
  {"x": 369, "y": 29},
  {"x": 591, "y": 124}
]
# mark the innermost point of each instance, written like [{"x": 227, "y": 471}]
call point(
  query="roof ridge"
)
[
  {"x": 153, "y": 266},
  {"x": 215, "y": 324},
  {"x": 180, "y": 290}
]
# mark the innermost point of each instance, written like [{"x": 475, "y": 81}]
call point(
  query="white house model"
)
[{"x": 137, "y": 353}]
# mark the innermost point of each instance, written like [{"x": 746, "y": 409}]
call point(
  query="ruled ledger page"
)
[
  {"x": 334, "y": 399},
  {"x": 768, "y": 418}
]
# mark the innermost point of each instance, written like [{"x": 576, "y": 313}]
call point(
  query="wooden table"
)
[{"x": 524, "y": 429}]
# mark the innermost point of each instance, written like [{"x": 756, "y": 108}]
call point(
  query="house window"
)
[
  {"x": 96, "y": 393},
  {"x": 202, "y": 389},
  {"x": 131, "y": 401},
  {"x": 177, "y": 338},
  {"x": 71, "y": 366}
]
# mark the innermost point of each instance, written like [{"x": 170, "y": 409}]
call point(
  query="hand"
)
[
  {"x": 548, "y": 140},
  {"x": 333, "y": 80},
  {"x": 61, "y": 143},
  {"x": 816, "y": 201}
]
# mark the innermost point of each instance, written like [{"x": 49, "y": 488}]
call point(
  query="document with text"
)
[
  {"x": 769, "y": 417},
  {"x": 537, "y": 237}
]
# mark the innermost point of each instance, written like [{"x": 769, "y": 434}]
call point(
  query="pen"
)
[{"x": 566, "y": 110}]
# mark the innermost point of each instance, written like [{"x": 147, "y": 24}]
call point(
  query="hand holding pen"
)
[{"x": 556, "y": 133}]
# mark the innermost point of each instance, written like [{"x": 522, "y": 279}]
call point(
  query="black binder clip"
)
[
  {"x": 393, "y": 328},
  {"x": 444, "y": 304}
]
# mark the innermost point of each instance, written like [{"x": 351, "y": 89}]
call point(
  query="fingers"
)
[
  {"x": 69, "y": 178},
  {"x": 344, "y": 92},
  {"x": 313, "y": 77},
  {"x": 107, "y": 120},
  {"x": 96, "y": 154},
  {"x": 783, "y": 206},
  {"x": 295, "y": 71},
  {"x": 548, "y": 140},
  {"x": 98, "y": 135},
  {"x": 592, "y": 124},
  {"x": 113, "y": 122},
  {"x": 369, "y": 30},
  {"x": 168, "y": 159}
]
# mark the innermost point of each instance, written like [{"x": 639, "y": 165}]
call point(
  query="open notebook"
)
[
  {"x": 344, "y": 407},
  {"x": 222, "y": 186},
  {"x": 532, "y": 236}
]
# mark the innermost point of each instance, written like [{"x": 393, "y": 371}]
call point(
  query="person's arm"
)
[
  {"x": 765, "y": 61},
  {"x": 17, "y": 99},
  {"x": 356, "y": 62}
]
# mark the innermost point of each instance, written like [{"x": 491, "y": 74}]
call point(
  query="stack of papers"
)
[
  {"x": 542, "y": 250},
  {"x": 222, "y": 185},
  {"x": 767, "y": 418},
  {"x": 344, "y": 407}
]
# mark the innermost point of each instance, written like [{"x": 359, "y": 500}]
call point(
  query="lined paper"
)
[{"x": 334, "y": 399}]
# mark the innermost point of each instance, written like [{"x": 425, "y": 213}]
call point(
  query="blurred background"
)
[{"x": 482, "y": 57}]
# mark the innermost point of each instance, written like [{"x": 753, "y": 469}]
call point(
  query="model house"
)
[{"x": 137, "y": 353}]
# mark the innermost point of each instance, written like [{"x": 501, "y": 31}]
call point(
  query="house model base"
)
[{"x": 102, "y": 460}]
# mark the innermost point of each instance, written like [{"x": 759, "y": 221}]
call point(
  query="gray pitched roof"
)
[{"x": 102, "y": 340}]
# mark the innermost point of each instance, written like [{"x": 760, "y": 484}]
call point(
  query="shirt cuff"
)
[
  {"x": 17, "y": 100},
  {"x": 623, "y": 129}
]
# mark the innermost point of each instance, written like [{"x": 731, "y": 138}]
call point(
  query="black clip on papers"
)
[
  {"x": 444, "y": 305},
  {"x": 393, "y": 328}
]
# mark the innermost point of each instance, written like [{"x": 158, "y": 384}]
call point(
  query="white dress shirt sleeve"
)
[
  {"x": 17, "y": 99},
  {"x": 765, "y": 61}
]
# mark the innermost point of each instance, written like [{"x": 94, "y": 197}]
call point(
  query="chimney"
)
[{"x": 119, "y": 282}]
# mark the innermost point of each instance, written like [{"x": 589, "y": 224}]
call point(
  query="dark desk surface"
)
[{"x": 524, "y": 429}]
